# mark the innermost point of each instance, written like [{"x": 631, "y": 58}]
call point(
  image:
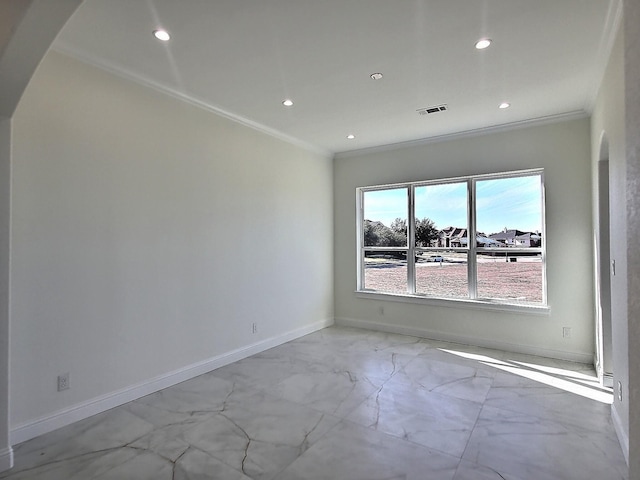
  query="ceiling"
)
[{"x": 242, "y": 58}]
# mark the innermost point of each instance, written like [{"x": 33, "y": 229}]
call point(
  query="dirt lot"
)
[{"x": 518, "y": 282}]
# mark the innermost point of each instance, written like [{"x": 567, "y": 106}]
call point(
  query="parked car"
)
[{"x": 435, "y": 258}]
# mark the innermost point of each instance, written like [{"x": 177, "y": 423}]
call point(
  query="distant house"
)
[
  {"x": 482, "y": 241},
  {"x": 507, "y": 237},
  {"x": 517, "y": 238},
  {"x": 451, "y": 237},
  {"x": 530, "y": 239},
  {"x": 457, "y": 237}
]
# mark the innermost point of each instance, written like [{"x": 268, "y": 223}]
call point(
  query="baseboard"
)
[
  {"x": 111, "y": 400},
  {"x": 623, "y": 436},
  {"x": 6, "y": 459},
  {"x": 467, "y": 340}
]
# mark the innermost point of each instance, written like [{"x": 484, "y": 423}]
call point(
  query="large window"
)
[{"x": 413, "y": 239}]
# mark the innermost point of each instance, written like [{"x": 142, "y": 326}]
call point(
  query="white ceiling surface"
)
[{"x": 242, "y": 58}]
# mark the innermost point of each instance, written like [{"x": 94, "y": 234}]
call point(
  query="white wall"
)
[
  {"x": 6, "y": 454},
  {"x": 563, "y": 150},
  {"x": 632, "y": 141},
  {"x": 28, "y": 28},
  {"x": 148, "y": 235},
  {"x": 608, "y": 120}
]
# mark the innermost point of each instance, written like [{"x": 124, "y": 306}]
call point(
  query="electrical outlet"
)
[
  {"x": 566, "y": 332},
  {"x": 254, "y": 327},
  {"x": 63, "y": 382},
  {"x": 620, "y": 391}
]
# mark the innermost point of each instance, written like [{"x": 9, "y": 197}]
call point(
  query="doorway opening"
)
[{"x": 604, "y": 342}]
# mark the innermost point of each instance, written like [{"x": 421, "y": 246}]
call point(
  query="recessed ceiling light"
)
[
  {"x": 504, "y": 105},
  {"x": 351, "y": 136},
  {"x": 376, "y": 76},
  {"x": 162, "y": 35},
  {"x": 483, "y": 43},
  {"x": 288, "y": 103}
]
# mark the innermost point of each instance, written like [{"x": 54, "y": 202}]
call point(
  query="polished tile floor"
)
[{"x": 350, "y": 404}]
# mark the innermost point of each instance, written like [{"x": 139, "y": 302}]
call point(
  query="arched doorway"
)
[
  {"x": 604, "y": 343},
  {"x": 33, "y": 26}
]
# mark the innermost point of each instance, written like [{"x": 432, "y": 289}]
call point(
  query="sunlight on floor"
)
[{"x": 568, "y": 380}]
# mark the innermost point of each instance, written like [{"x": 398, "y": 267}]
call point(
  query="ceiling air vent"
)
[{"x": 434, "y": 109}]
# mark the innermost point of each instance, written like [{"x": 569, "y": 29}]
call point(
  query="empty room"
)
[{"x": 353, "y": 239}]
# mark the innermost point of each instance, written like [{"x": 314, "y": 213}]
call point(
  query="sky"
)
[{"x": 513, "y": 203}]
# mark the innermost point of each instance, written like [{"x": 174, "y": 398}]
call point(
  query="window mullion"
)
[
  {"x": 543, "y": 240},
  {"x": 360, "y": 238},
  {"x": 472, "y": 267},
  {"x": 411, "y": 242},
  {"x": 386, "y": 260}
]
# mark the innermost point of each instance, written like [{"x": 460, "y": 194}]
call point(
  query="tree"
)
[
  {"x": 370, "y": 236},
  {"x": 426, "y": 232},
  {"x": 377, "y": 234},
  {"x": 399, "y": 228}
]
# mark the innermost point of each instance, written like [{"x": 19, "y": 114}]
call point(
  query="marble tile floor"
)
[{"x": 344, "y": 403}]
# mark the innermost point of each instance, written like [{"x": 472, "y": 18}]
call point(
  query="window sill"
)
[{"x": 455, "y": 303}]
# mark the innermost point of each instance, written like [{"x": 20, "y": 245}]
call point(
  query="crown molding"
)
[
  {"x": 612, "y": 25},
  {"x": 505, "y": 127},
  {"x": 613, "y": 22},
  {"x": 66, "y": 49}
]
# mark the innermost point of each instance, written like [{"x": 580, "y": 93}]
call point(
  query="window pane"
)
[
  {"x": 509, "y": 212},
  {"x": 442, "y": 274},
  {"x": 385, "y": 218},
  {"x": 514, "y": 278},
  {"x": 385, "y": 271},
  {"x": 441, "y": 215}
]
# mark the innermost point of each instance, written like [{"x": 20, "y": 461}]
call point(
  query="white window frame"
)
[{"x": 471, "y": 250}]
